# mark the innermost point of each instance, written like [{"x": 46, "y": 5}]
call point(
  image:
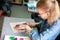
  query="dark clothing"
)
[
  {"x": 1, "y": 6},
  {"x": 43, "y": 23}
]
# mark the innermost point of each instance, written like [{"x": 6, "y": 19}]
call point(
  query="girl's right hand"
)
[{"x": 31, "y": 24}]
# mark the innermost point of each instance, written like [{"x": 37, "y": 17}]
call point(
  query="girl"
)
[{"x": 50, "y": 27}]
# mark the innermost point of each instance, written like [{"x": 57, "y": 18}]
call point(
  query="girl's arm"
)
[
  {"x": 49, "y": 34},
  {"x": 31, "y": 24},
  {"x": 32, "y": 33},
  {"x": 52, "y": 33}
]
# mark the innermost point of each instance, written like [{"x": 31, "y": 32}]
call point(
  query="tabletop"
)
[{"x": 6, "y": 30}]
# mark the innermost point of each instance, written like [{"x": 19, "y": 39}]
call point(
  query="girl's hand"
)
[
  {"x": 21, "y": 27},
  {"x": 31, "y": 24},
  {"x": 25, "y": 27}
]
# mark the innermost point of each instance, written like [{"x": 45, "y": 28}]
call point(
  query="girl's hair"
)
[{"x": 53, "y": 6}]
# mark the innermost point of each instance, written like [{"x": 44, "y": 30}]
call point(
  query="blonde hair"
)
[{"x": 54, "y": 12}]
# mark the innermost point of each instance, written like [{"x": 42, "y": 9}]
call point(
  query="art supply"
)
[
  {"x": 11, "y": 37},
  {"x": 15, "y": 39}
]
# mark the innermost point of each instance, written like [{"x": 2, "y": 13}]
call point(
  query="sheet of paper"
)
[{"x": 14, "y": 24}]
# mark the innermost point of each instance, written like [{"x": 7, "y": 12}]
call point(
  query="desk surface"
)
[{"x": 6, "y": 30}]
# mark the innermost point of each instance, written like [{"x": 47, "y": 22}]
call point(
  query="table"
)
[{"x": 6, "y": 30}]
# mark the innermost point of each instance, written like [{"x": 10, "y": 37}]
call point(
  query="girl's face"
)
[{"x": 44, "y": 14}]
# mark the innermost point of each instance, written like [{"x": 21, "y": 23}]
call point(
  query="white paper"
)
[{"x": 14, "y": 24}]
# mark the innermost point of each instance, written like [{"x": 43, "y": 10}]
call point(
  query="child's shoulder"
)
[{"x": 58, "y": 20}]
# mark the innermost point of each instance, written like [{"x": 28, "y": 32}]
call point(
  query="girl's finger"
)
[{"x": 22, "y": 27}]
